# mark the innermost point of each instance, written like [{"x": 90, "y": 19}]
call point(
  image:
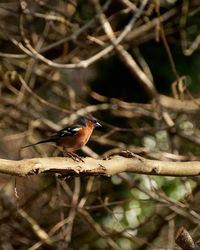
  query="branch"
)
[
  {"x": 107, "y": 167},
  {"x": 186, "y": 106},
  {"x": 123, "y": 54}
]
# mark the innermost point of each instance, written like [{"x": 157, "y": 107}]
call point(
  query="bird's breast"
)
[{"x": 73, "y": 143}]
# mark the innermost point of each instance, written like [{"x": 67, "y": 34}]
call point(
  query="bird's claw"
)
[{"x": 75, "y": 157}]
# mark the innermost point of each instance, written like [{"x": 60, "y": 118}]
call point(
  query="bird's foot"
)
[{"x": 74, "y": 157}]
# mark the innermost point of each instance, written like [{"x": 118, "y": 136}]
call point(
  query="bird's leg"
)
[
  {"x": 71, "y": 155},
  {"x": 75, "y": 157},
  {"x": 65, "y": 153}
]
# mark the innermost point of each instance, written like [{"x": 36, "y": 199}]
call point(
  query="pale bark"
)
[{"x": 90, "y": 166}]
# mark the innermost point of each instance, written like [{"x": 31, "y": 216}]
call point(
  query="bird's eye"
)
[{"x": 97, "y": 124}]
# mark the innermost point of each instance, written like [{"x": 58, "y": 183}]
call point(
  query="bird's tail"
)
[{"x": 39, "y": 142}]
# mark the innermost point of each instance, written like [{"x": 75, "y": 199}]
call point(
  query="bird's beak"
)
[{"x": 97, "y": 124}]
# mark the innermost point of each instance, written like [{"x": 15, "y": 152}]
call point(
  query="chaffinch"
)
[{"x": 73, "y": 137}]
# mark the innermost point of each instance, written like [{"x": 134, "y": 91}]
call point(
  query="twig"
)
[
  {"x": 40, "y": 99},
  {"x": 32, "y": 52},
  {"x": 35, "y": 227},
  {"x": 73, "y": 210}
]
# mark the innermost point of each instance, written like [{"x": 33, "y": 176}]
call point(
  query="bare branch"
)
[{"x": 108, "y": 167}]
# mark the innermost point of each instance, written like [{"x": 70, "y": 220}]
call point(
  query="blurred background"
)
[{"x": 135, "y": 66}]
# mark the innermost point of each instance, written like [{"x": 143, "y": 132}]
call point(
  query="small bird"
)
[{"x": 73, "y": 137}]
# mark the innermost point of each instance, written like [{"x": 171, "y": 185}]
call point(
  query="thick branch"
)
[
  {"x": 186, "y": 106},
  {"x": 90, "y": 166}
]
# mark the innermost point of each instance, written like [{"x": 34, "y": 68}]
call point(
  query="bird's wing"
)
[{"x": 68, "y": 131}]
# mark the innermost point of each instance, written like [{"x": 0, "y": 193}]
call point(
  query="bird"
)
[{"x": 73, "y": 137}]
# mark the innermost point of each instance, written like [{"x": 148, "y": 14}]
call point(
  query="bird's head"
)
[{"x": 90, "y": 121}]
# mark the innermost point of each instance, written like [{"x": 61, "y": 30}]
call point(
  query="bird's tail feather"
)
[{"x": 39, "y": 142}]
